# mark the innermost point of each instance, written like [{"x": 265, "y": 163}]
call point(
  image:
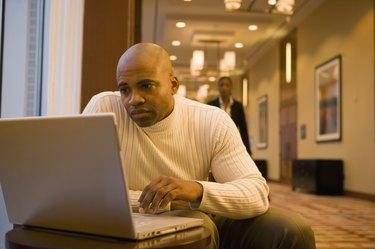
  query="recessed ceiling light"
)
[
  {"x": 232, "y": 4},
  {"x": 187, "y": 0},
  {"x": 173, "y": 57},
  {"x": 238, "y": 45},
  {"x": 176, "y": 43},
  {"x": 180, "y": 25},
  {"x": 252, "y": 27},
  {"x": 272, "y": 2}
]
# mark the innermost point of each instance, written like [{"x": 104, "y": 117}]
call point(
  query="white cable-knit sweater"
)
[{"x": 194, "y": 139}]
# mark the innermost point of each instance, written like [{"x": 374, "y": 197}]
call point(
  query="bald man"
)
[{"x": 171, "y": 143}]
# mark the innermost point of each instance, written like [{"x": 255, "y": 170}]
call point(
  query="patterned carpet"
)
[{"x": 337, "y": 221}]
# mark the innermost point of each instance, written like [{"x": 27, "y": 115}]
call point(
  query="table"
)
[{"x": 23, "y": 237}]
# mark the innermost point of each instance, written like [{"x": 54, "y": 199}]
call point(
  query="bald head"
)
[{"x": 148, "y": 55}]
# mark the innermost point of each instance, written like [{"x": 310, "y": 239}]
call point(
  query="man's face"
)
[
  {"x": 146, "y": 92},
  {"x": 225, "y": 88}
]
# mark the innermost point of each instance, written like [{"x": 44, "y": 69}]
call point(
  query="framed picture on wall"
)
[
  {"x": 328, "y": 100},
  {"x": 262, "y": 122}
]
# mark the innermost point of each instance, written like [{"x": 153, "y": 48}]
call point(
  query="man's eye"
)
[
  {"x": 146, "y": 85},
  {"x": 124, "y": 90}
]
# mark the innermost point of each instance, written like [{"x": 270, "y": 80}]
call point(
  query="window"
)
[{"x": 22, "y": 52}]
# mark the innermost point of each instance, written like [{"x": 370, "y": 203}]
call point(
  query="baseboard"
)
[
  {"x": 348, "y": 193},
  {"x": 273, "y": 180},
  {"x": 359, "y": 195}
]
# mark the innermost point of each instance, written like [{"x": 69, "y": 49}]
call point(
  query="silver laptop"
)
[{"x": 66, "y": 173}]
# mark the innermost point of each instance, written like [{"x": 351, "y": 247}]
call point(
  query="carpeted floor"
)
[{"x": 338, "y": 221}]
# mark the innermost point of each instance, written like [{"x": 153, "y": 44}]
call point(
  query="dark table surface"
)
[{"x": 24, "y": 237}]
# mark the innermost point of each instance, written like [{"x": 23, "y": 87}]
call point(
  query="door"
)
[
  {"x": 288, "y": 140},
  {"x": 288, "y": 106}
]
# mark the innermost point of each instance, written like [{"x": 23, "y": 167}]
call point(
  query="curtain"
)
[{"x": 64, "y": 57}]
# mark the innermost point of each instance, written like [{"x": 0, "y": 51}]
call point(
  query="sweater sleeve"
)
[
  {"x": 102, "y": 102},
  {"x": 239, "y": 190}
]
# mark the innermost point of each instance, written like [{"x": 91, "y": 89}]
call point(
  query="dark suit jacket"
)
[{"x": 238, "y": 116}]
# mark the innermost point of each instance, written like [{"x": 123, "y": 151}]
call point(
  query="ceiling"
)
[{"x": 211, "y": 28}]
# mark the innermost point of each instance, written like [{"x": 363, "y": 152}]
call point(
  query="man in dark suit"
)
[{"x": 233, "y": 107}]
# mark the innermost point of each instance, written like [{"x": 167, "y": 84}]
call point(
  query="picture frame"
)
[
  {"x": 328, "y": 100},
  {"x": 262, "y": 122}
]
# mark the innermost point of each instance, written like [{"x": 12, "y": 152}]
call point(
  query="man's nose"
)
[{"x": 136, "y": 98}]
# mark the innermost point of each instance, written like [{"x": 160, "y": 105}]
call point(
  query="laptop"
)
[{"x": 66, "y": 173}]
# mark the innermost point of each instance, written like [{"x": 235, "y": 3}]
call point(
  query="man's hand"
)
[
  {"x": 165, "y": 189},
  {"x": 180, "y": 205}
]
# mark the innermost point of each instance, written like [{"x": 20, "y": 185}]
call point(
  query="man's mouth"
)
[{"x": 139, "y": 114}]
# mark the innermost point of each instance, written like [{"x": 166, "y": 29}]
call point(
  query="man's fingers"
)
[
  {"x": 154, "y": 193},
  {"x": 170, "y": 196},
  {"x": 149, "y": 188},
  {"x": 163, "y": 190},
  {"x": 160, "y": 197}
]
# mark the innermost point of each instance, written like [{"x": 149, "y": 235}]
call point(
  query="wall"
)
[
  {"x": 264, "y": 80},
  {"x": 336, "y": 27},
  {"x": 345, "y": 28}
]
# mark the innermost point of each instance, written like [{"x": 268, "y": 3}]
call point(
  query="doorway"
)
[{"x": 288, "y": 107}]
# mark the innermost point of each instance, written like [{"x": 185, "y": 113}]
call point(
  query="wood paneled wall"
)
[{"x": 110, "y": 27}]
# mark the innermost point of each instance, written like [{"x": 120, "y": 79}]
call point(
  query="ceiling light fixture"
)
[
  {"x": 228, "y": 63},
  {"x": 201, "y": 66},
  {"x": 288, "y": 62},
  {"x": 285, "y": 6},
  {"x": 176, "y": 43},
  {"x": 181, "y": 90},
  {"x": 252, "y": 27},
  {"x": 197, "y": 62},
  {"x": 238, "y": 45},
  {"x": 180, "y": 25},
  {"x": 272, "y": 2},
  {"x": 232, "y": 4},
  {"x": 244, "y": 91}
]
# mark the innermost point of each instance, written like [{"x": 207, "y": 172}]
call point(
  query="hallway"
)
[{"x": 338, "y": 221}]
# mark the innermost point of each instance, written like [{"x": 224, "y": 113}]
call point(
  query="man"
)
[
  {"x": 233, "y": 107},
  {"x": 170, "y": 144}
]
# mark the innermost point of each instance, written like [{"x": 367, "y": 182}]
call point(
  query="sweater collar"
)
[{"x": 166, "y": 124}]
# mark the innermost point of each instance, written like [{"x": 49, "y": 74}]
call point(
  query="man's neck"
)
[
  {"x": 226, "y": 105},
  {"x": 226, "y": 100}
]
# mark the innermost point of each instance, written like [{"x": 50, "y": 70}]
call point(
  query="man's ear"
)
[{"x": 175, "y": 84}]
